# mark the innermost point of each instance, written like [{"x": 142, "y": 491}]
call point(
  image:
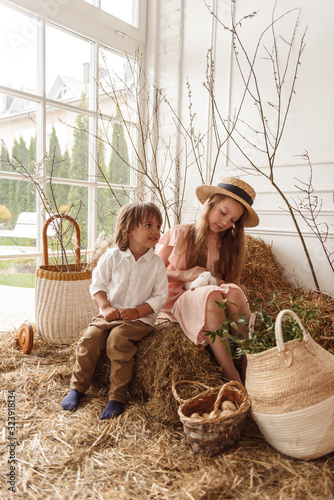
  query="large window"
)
[
  {"x": 59, "y": 125},
  {"x": 127, "y": 10}
]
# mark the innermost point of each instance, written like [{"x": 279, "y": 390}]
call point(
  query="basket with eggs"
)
[{"x": 213, "y": 420}]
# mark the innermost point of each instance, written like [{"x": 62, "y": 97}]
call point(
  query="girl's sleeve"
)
[
  {"x": 174, "y": 238},
  {"x": 167, "y": 239}
]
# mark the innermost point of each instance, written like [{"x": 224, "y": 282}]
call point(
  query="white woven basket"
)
[
  {"x": 292, "y": 394},
  {"x": 63, "y": 305}
]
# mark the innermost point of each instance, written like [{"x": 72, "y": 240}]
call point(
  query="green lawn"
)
[{"x": 19, "y": 280}]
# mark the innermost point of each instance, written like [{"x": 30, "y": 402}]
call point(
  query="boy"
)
[{"x": 130, "y": 287}]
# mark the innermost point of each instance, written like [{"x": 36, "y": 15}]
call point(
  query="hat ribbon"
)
[{"x": 238, "y": 191}]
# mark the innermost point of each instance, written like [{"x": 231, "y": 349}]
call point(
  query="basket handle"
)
[
  {"x": 278, "y": 328},
  {"x": 44, "y": 236},
  {"x": 175, "y": 394},
  {"x": 232, "y": 384}
]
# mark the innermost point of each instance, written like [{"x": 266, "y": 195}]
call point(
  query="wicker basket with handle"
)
[
  {"x": 63, "y": 305},
  {"x": 213, "y": 434},
  {"x": 291, "y": 387}
]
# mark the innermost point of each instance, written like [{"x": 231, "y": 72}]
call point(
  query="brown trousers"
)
[{"x": 117, "y": 338}]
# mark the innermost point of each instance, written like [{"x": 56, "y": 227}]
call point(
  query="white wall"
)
[{"x": 179, "y": 34}]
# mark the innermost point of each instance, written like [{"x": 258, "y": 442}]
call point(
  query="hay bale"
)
[
  {"x": 263, "y": 274},
  {"x": 164, "y": 355}
]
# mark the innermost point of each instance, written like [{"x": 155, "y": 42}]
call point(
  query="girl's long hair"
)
[
  {"x": 130, "y": 216},
  {"x": 231, "y": 243}
]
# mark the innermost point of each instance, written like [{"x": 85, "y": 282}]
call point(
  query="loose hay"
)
[
  {"x": 64, "y": 455},
  {"x": 143, "y": 454}
]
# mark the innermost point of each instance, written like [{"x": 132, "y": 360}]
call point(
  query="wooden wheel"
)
[{"x": 26, "y": 337}]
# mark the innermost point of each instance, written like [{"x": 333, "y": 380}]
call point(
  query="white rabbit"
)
[{"x": 203, "y": 279}]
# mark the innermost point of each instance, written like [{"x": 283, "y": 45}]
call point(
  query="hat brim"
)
[{"x": 204, "y": 192}]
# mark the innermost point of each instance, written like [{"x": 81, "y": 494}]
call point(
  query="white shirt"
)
[{"x": 131, "y": 283}]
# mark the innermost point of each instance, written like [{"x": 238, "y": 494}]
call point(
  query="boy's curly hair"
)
[{"x": 131, "y": 216}]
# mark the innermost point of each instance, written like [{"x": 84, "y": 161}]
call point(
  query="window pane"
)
[
  {"x": 62, "y": 239},
  {"x": 18, "y": 130},
  {"x": 109, "y": 203},
  {"x": 72, "y": 200},
  {"x": 78, "y": 200},
  {"x": 18, "y": 56},
  {"x": 18, "y": 272},
  {"x": 68, "y": 67},
  {"x": 115, "y": 152},
  {"x": 67, "y": 144},
  {"x": 18, "y": 220},
  {"x": 118, "y": 133},
  {"x": 126, "y": 10},
  {"x": 115, "y": 70}
]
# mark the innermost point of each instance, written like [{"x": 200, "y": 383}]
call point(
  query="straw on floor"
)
[{"x": 144, "y": 453}]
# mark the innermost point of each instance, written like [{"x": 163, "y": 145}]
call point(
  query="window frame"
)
[{"x": 75, "y": 15}]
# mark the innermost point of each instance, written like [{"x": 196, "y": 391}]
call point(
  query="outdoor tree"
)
[
  {"x": 31, "y": 198},
  {"x": 4, "y": 184},
  {"x": 56, "y": 162},
  {"x": 18, "y": 191},
  {"x": 119, "y": 170},
  {"x": 78, "y": 196}
]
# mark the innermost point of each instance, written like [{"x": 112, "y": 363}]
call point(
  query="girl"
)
[
  {"x": 130, "y": 286},
  {"x": 215, "y": 243}
]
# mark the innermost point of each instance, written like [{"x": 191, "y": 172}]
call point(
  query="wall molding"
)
[
  {"x": 304, "y": 163},
  {"x": 270, "y": 231},
  {"x": 285, "y": 212}
]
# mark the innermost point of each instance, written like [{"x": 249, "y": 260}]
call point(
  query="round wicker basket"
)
[
  {"x": 63, "y": 305},
  {"x": 292, "y": 391},
  {"x": 213, "y": 434}
]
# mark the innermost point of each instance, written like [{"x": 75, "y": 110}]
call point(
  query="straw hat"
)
[{"x": 237, "y": 189}]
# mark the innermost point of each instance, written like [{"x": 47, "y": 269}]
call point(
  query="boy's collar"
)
[{"x": 146, "y": 256}]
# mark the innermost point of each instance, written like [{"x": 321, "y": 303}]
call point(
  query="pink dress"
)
[{"x": 187, "y": 307}]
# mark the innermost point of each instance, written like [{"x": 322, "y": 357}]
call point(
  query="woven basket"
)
[
  {"x": 63, "y": 305},
  {"x": 211, "y": 435},
  {"x": 291, "y": 387}
]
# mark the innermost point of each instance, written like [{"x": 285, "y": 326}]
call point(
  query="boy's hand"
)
[
  {"x": 128, "y": 314},
  {"x": 110, "y": 313}
]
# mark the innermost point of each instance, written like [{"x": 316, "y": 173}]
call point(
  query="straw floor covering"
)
[{"x": 143, "y": 454}]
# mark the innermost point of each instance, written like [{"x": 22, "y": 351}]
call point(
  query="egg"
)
[
  {"x": 226, "y": 413},
  {"x": 195, "y": 415},
  {"x": 212, "y": 414},
  {"x": 205, "y": 415},
  {"x": 228, "y": 405}
]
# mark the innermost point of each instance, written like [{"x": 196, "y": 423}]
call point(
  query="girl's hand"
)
[
  {"x": 129, "y": 314},
  {"x": 110, "y": 313},
  {"x": 191, "y": 274}
]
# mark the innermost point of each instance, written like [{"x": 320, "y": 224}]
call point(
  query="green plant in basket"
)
[{"x": 263, "y": 336}]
